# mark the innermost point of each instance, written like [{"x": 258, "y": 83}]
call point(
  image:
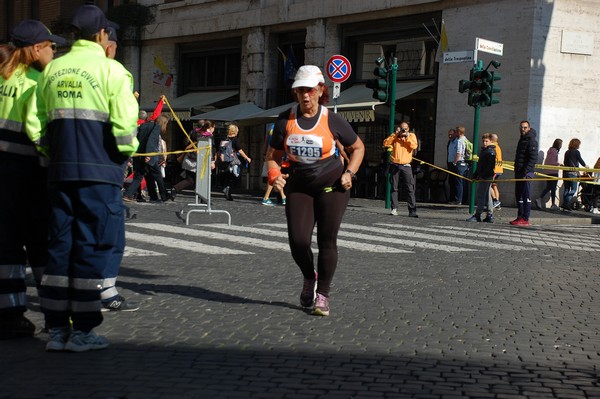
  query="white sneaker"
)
[
  {"x": 394, "y": 212},
  {"x": 538, "y": 203},
  {"x": 596, "y": 211},
  {"x": 80, "y": 341}
]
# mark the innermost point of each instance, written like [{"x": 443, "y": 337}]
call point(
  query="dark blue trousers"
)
[
  {"x": 86, "y": 224},
  {"x": 23, "y": 228},
  {"x": 523, "y": 196}
]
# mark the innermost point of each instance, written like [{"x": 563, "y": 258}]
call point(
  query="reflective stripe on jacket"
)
[{"x": 88, "y": 114}]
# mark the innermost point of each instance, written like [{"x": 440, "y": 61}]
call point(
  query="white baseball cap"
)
[{"x": 308, "y": 76}]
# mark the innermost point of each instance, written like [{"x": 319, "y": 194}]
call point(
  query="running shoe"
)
[
  {"x": 58, "y": 338},
  {"x": 394, "y": 212},
  {"x": 267, "y": 202},
  {"x": 321, "y": 306},
  {"x": 80, "y": 341},
  {"x": 283, "y": 202},
  {"x": 474, "y": 218},
  {"x": 307, "y": 296},
  {"x": 517, "y": 221},
  {"x": 119, "y": 304},
  {"x": 496, "y": 204},
  {"x": 489, "y": 219}
]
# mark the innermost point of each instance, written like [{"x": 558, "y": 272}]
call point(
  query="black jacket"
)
[
  {"x": 526, "y": 155},
  {"x": 486, "y": 163}
]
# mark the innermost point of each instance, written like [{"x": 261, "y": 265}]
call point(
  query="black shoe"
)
[
  {"x": 413, "y": 214},
  {"x": 16, "y": 327},
  {"x": 227, "y": 192},
  {"x": 119, "y": 304},
  {"x": 172, "y": 194}
]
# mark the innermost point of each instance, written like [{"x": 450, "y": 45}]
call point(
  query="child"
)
[{"x": 485, "y": 171}]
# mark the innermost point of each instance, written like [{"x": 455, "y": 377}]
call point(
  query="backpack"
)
[
  {"x": 468, "y": 150},
  {"x": 226, "y": 153}
]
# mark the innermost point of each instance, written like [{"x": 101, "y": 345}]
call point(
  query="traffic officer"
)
[
  {"x": 110, "y": 297},
  {"x": 88, "y": 114},
  {"x": 24, "y": 204}
]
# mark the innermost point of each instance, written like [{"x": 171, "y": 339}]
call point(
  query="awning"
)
[
  {"x": 183, "y": 105},
  {"x": 356, "y": 104},
  {"x": 233, "y": 113},
  {"x": 265, "y": 117}
]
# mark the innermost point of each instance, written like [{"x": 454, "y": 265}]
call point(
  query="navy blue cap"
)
[
  {"x": 30, "y": 32},
  {"x": 90, "y": 20}
]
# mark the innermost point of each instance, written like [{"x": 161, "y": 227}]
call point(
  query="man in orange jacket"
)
[{"x": 403, "y": 143}]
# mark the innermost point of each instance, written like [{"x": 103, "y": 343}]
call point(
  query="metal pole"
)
[
  {"x": 477, "y": 67},
  {"x": 474, "y": 163},
  {"x": 392, "y": 101}
]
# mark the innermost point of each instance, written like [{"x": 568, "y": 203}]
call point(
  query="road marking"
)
[
  {"x": 455, "y": 239},
  {"x": 211, "y": 234},
  {"x": 131, "y": 251},
  {"x": 356, "y": 245},
  {"x": 531, "y": 237},
  {"x": 171, "y": 242}
]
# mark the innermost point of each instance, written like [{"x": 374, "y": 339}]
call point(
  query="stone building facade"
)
[{"x": 548, "y": 60}]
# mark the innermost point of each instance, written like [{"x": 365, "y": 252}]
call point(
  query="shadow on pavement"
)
[{"x": 143, "y": 372}]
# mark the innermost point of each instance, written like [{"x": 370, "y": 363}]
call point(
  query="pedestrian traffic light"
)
[{"x": 379, "y": 85}]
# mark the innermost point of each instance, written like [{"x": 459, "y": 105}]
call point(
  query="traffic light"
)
[
  {"x": 480, "y": 85},
  {"x": 494, "y": 89},
  {"x": 379, "y": 85}
]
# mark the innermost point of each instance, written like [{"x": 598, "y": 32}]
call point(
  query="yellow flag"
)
[
  {"x": 443, "y": 44},
  {"x": 158, "y": 62}
]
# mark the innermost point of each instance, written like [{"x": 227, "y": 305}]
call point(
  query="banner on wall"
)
[{"x": 161, "y": 75}]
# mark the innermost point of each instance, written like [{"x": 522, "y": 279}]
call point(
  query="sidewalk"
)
[
  {"x": 433, "y": 210},
  {"x": 461, "y": 212}
]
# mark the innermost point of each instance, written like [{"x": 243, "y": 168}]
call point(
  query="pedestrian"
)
[
  {"x": 24, "y": 200},
  {"x": 498, "y": 171},
  {"x": 317, "y": 183},
  {"x": 147, "y": 166},
  {"x": 229, "y": 162},
  {"x": 451, "y": 151},
  {"x": 403, "y": 143},
  {"x": 458, "y": 147},
  {"x": 572, "y": 159},
  {"x": 525, "y": 160},
  {"x": 484, "y": 171},
  {"x": 88, "y": 114},
  {"x": 551, "y": 159}
]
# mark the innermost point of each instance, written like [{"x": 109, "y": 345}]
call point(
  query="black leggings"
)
[{"x": 310, "y": 203}]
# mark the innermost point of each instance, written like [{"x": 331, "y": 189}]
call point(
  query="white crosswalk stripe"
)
[
  {"x": 530, "y": 237},
  {"x": 356, "y": 245},
  {"x": 456, "y": 239},
  {"x": 378, "y": 238},
  {"x": 171, "y": 242}
]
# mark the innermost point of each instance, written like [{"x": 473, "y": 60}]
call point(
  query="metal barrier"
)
[{"x": 203, "y": 184}]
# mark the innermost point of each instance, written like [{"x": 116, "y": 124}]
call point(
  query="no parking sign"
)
[{"x": 338, "y": 71}]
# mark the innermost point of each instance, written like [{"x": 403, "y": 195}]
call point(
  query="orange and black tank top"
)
[{"x": 308, "y": 146}]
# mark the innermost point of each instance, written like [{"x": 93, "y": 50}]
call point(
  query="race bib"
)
[{"x": 304, "y": 148}]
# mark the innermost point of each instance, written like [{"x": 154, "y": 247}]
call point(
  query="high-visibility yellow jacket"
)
[
  {"x": 88, "y": 114},
  {"x": 19, "y": 125}
]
